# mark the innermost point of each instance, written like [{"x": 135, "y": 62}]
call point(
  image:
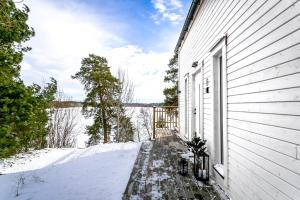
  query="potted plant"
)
[{"x": 198, "y": 147}]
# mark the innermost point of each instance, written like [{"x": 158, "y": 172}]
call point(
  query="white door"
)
[{"x": 198, "y": 105}]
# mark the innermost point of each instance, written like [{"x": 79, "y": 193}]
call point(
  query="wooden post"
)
[{"x": 153, "y": 122}]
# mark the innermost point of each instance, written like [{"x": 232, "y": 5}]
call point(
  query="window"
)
[
  {"x": 220, "y": 107},
  {"x": 186, "y": 114},
  {"x": 218, "y": 104}
]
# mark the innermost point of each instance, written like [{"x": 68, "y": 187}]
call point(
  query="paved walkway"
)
[{"x": 155, "y": 173}]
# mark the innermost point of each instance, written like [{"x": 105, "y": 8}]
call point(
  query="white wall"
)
[{"x": 263, "y": 73}]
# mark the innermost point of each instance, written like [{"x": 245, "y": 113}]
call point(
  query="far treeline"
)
[
  {"x": 29, "y": 118},
  {"x": 68, "y": 103}
]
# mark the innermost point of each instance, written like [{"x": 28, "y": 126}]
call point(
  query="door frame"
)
[{"x": 198, "y": 72}]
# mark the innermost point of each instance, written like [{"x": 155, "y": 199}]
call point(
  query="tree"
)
[
  {"x": 41, "y": 102},
  {"x": 62, "y": 122},
  {"x": 101, "y": 88},
  {"x": 171, "y": 96},
  {"x": 124, "y": 128},
  {"x": 145, "y": 120},
  {"x": 14, "y": 31},
  {"x": 126, "y": 88},
  {"x": 23, "y": 114}
]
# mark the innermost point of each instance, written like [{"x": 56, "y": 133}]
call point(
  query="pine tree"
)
[
  {"x": 101, "y": 96},
  {"x": 171, "y": 96},
  {"x": 23, "y": 114}
]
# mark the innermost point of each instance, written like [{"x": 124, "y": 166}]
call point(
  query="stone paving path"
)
[{"x": 155, "y": 173}]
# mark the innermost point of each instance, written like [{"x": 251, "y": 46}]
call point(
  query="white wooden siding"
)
[{"x": 263, "y": 80}]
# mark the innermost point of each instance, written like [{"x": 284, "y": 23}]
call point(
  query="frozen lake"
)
[{"x": 141, "y": 118}]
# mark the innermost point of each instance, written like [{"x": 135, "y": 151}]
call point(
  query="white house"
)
[{"x": 239, "y": 88}]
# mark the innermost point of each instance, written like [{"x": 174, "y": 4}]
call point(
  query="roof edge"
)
[{"x": 187, "y": 23}]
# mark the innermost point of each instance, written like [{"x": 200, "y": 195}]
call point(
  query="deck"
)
[{"x": 155, "y": 173}]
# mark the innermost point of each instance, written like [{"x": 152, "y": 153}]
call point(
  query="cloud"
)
[
  {"x": 145, "y": 69},
  {"x": 170, "y": 10},
  {"x": 65, "y": 35}
]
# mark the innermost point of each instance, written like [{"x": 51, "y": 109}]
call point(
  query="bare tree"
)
[
  {"x": 63, "y": 121},
  {"x": 126, "y": 87},
  {"x": 138, "y": 130},
  {"x": 146, "y": 120},
  {"x": 125, "y": 95}
]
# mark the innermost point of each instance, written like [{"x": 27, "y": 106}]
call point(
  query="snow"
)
[
  {"x": 219, "y": 168},
  {"x": 32, "y": 160},
  {"x": 97, "y": 172},
  {"x": 219, "y": 190},
  {"x": 157, "y": 163},
  {"x": 80, "y": 121}
]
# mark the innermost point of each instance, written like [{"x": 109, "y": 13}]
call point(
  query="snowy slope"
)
[{"x": 98, "y": 172}]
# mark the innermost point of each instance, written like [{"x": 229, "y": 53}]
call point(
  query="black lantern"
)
[
  {"x": 183, "y": 166},
  {"x": 201, "y": 158},
  {"x": 202, "y": 173}
]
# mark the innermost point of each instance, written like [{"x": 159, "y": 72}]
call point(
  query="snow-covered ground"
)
[{"x": 97, "y": 172}]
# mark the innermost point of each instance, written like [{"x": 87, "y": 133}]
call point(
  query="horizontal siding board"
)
[
  {"x": 283, "y": 69},
  {"x": 290, "y": 165},
  {"x": 276, "y": 59},
  {"x": 200, "y": 24},
  {"x": 283, "y": 95},
  {"x": 234, "y": 194},
  {"x": 235, "y": 11},
  {"x": 279, "y": 146},
  {"x": 285, "y": 188},
  {"x": 238, "y": 172},
  {"x": 288, "y": 135},
  {"x": 274, "y": 170},
  {"x": 285, "y": 108},
  {"x": 275, "y": 18},
  {"x": 252, "y": 18},
  {"x": 245, "y": 193},
  {"x": 244, "y": 169},
  {"x": 207, "y": 38},
  {"x": 248, "y": 12},
  {"x": 263, "y": 100},
  {"x": 267, "y": 85},
  {"x": 215, "y": 12},
  {"x": 275, "y": 41},
  {"x": 248, "y": 57},
  {"x": 285, "y": 121}
]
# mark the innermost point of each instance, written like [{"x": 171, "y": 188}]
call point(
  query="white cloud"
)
[
  {"x": 171, "y": 10},
  {"x": 145, "y": 69},
  {"x": 65, "y": 36},
  {"x": 176, "y": 3}
]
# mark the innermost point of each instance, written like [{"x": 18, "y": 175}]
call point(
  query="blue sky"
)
[{"x": 138, "y": 36}]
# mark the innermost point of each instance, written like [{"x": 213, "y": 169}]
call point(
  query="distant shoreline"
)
[{"x": 67, "y": 104}]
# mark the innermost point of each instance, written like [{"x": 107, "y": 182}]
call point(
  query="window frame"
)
[
  {"x": 186, "y": 106},
  {"x": 219, "y": 90}
]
